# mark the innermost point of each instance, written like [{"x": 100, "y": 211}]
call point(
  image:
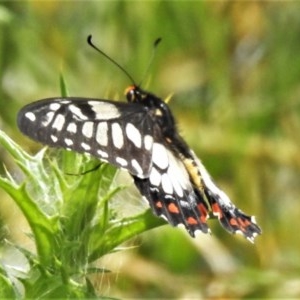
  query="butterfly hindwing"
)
[
  {"x": 230, "y": 217},
  {"x": 118, "y": 133},
  {"x": 170, "y": 192}
]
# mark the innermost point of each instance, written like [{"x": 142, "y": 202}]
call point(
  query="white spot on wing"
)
[
  {"x": 48, "y": 118},
  {"x": 155, "y": 177},
  {"x": 134, "y": 135},
  {"x": 64, "y": 101},
  {"x": 148, "y": 141},
  {"x": 104, "y": 110},
  {"x": 178, "y": 175},
  {"x": 121, "y": 161},
  {"x": 87, "y": 129},
  {"x": 85, "y": 146},
  {"x": 77, "y": 112},
  {"x": 72, "y": 127},
  {"x": 101, "y": 134},
  {"x": 178, "y": 189},
  {"x": 68, "y": 142},
  {"x": 54, "y": 106},
  {"x": 31, "y": 116},
  {"x": 174, "y": 179},
  {"x": 59, "y": 122},
  {"x": 166, "y": 219},
  {"x": 166, "y": 184},
  {"x": 137, "y": 166},
  {"x": 117, "y": 135},
  {"x": 54, "y": 138},
  {"x": 160, "y": 156},
  {"x": 102, "y": 154}
]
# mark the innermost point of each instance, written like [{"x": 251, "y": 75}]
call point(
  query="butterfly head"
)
[{"x": 134, "y": 94}]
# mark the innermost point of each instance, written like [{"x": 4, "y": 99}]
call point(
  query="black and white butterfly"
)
[{"x": 141, "y": 137}]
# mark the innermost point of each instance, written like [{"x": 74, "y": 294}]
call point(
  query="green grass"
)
[{"x": 234, "y": 70}]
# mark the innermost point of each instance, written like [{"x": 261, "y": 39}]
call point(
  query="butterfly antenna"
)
[
  {"x": 155, "y": 44},
  {"x": 89, "y": 40}
]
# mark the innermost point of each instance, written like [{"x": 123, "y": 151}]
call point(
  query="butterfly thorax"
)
[{"x": 158, "y": 109}]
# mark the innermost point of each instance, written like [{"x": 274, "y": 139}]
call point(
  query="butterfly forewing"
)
[{"x": 116, "y": 132}]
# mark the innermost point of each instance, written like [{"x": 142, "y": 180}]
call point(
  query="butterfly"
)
[{"x": 140, "y": 136}]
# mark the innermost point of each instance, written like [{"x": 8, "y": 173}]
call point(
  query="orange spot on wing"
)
[
  {"x": 216, "y": 209},
  {"x": 192, "y": 221},
  {"x": 158, "y": 204},
  {"x": 173, "y": 208},
  {"x": 244, "y": 222},
  {"x": 233, "y": 222},
  {"x": 203, "y": 212},
  {"x": 241, "y": 223}
]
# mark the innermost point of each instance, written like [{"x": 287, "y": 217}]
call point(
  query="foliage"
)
[{"x": 71, "y": 226}]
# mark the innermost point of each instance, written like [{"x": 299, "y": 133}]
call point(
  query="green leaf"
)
[
  {"x": 42, "y": 227},
  {"x": 121, "y": 231},
  {"x": 63, "y": 87},
  {"x": 7, "y": 290}
]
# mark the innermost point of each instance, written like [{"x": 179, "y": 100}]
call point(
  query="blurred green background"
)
[{"x": 234, "y": 71}]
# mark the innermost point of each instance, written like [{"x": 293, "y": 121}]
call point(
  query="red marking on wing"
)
[
  {"x": 158, "y": 204},
  {"x": 192, "y": 221},
  {"x": 233, "y": 222},
  {"x": 173, "y": 208},
  {"x": 203, "y": 211},
  {"x": 241, "y": 223},
  {"x": 217, "y": 210}
]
